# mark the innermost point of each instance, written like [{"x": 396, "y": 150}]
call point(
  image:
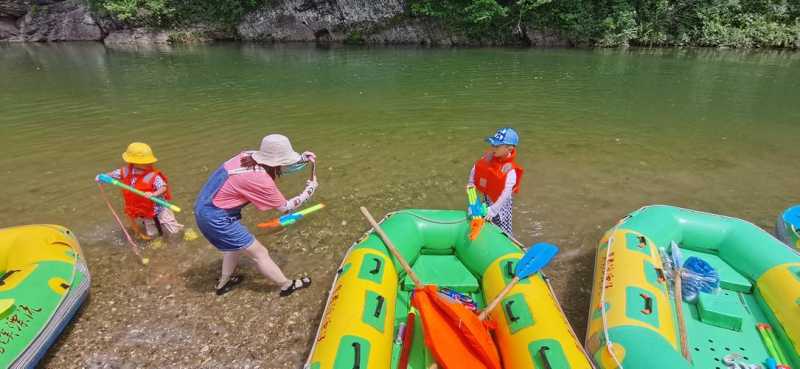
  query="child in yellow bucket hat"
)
[{"x": 141, "y": 174}]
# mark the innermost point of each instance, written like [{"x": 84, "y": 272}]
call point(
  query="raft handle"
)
[
  {"x": 377, "y": 266},
  {"x": 510, "y": 269},
  {"x": 648, "y": 304},
  {"x": 379, "y": 307},
  {"x": 6, "y": 275},
  {"x": 510, "y": 313},
  {"x": 357, "y": 359},
  {"x": 543, "y": 353}
]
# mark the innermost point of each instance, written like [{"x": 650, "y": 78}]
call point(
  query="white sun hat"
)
[{"x": 275, "y": 151}]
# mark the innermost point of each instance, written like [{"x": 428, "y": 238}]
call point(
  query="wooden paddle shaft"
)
[
  {"x": 679, "y": 311},
  {"x": 392, "y": 249},
  {"x": 498, "y": 298}
]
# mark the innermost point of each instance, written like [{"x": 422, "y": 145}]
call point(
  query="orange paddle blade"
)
[
  {"x": 273, "y": 223},
  {"x": 453, "y": 334},
  {"x": 475, "y": 226}
]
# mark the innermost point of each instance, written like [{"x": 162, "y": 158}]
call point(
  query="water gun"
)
[
  {"x": 105, "y": 178},
  {"x": 476, "y": 210},
  {"x": 773, "y": 348},
  {"x": 288, "y": 219},
  {"x": 461, "y": 298}
]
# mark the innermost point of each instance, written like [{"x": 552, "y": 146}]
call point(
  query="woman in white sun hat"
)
[{"x": 249, "y": 178}]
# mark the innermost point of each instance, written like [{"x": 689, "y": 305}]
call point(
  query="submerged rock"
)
[{"x": 139, "y": 36}]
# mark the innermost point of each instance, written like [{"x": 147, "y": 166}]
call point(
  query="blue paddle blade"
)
[{"x": 537, "y": 257}]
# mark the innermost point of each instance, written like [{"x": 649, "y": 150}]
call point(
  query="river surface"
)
[{"x": 603, "y": 132}]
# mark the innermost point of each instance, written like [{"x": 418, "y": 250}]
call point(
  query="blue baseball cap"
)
[{"x": 504, "y": 136}]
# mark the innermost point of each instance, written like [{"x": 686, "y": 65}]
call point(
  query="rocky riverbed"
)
[{"x": 166, "y": 315}]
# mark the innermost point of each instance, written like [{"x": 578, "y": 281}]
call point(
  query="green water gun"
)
[
  {"x": 771, "y": 342},
  {"x": 105, "y": 178}
]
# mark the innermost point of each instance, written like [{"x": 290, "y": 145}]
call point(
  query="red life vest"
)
[
  {"x": 137, "y": 206},
  {"x": 491, "y": 172}
]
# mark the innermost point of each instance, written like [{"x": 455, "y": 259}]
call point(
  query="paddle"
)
[
  {"x": 105, "y": 178},
  {"x": 536, "y": 258},
  {"x": 390, "y": 245},
  {"x": 289, "y": 219},
  {"x": 453, "y": 334},
  {"x": 676, "y": 272}
]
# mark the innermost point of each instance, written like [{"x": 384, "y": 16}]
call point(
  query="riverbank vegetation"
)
[
  {"x": 725, "y": 23},
  {"x": 604, "y": 23},
  {"x": 176, "y": 13}
]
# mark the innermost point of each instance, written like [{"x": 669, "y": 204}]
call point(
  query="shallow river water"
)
[{"x": 603, "y": 132}]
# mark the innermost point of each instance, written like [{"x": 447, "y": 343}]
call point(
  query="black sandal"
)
[
  {"x": 232, "y": 282},
  {"x": 303, "y": 283}
]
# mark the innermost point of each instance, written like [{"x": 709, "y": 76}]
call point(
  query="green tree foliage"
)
[
  {"x": 172, "y": 13},
  {"x": 734, "y": 23}
]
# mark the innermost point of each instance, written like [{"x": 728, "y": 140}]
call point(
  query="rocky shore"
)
[{"x": 324, "y": 21}]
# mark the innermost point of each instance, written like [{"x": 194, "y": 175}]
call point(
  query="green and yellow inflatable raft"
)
[
  {"x": 370, "y": 297},
  {"x": 759, "y": 283},
  {"x": 44, "y": 281}
]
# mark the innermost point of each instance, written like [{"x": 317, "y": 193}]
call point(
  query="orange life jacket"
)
[
  {"x": 491, "y": 172},
  {"x": 137, "y": 206}
]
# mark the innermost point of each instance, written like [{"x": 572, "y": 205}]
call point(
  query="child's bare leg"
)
[
  {"x": 150, "y": 227},
  {"x": 265, "y": 264},
  {"x": 229, "y": 262},
  {"x": 168, "y": 221},
  {"x": 136, "y": 225}
]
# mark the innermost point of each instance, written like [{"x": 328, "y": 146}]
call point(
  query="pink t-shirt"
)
[{"x": 247, "y": 186}]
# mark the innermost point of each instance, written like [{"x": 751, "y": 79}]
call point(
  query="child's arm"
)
[
  {"x": 508, "y": 189},
  {"x": 298, "y": 200},
  {"x": 471, "y": 179},
  {"x": 116, "y": 174},
  {"x": 160, "y": 186}
]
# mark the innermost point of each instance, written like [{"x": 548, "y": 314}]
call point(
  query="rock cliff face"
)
[
  {"x": 318, "y": 20},
  {"x": 362, "y": 21},
  {"x": 47, "y": 20},
  {"x": 355, "y": 21}
]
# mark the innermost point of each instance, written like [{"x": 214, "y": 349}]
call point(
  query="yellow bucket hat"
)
[{"x": 139, "y": 153}]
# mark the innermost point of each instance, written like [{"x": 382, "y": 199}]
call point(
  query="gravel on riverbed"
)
[{"x": 166, "y": 315}]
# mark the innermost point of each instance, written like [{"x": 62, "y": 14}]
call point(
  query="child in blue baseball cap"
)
[{"x": 497, "y": 176}]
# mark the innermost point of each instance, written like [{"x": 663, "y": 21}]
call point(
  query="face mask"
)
[{"x": 294, "y": 168}]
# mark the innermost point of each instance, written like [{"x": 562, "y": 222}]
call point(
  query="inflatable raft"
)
[
  {"x": 787, "y": 228},
  {"x": 759, "y": 282},
  {"x": 43, "y": 283},
  {"x": 369, "y": 301}
]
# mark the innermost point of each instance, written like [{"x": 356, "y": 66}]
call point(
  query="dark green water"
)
[{"x": 603, "y": 133}]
